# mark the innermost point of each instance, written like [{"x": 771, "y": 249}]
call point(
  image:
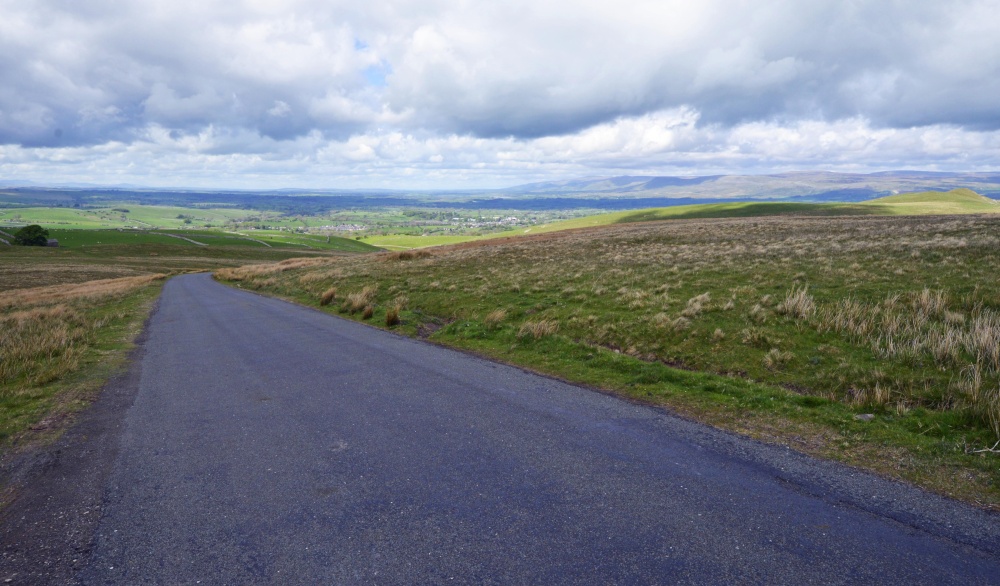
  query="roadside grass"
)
[
  {"x": 783, "y": 328},
  {"x": 59, "y": 345},
  {"x": 68, "y": 317}
]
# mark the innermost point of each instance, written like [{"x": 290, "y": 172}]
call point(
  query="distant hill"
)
[
  {"x": 956, "y": 201},
  {"x": 798, "y": 186},
  {"x": 599, "y": 193}
]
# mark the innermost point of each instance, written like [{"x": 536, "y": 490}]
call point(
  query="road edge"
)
[{"x": 48, "y": 530}]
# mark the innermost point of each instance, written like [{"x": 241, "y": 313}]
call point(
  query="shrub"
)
[{"x": 33, "y": 235}]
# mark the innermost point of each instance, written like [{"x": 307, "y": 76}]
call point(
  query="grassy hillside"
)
[
  {"x": 782, "y": 327},
  {"x": 957, "y": 201}
]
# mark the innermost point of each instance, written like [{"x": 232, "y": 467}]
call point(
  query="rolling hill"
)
[{"x": 957, "y": 201}]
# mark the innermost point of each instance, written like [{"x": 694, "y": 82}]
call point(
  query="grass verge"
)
[
  {"x": 786, "y": 329},
  {"x": 60, "y": 344}
]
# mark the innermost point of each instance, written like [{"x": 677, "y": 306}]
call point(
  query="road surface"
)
[{"x": 257, "y": 442}]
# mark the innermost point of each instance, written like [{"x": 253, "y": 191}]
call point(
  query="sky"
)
[{"x": 471, "y": 94}]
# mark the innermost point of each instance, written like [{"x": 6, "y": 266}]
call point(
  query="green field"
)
[
  {"x": 78, "y": 238},
  {"x": 125, "y": 216},
  {"x": 781, "y": 327}
]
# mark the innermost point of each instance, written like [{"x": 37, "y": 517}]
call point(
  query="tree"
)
[{"x": 33, "y": 235}]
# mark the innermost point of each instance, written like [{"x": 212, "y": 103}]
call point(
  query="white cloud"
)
[
  {"x": 664, "y": 142},
  {"x": 492, "y": 92}
]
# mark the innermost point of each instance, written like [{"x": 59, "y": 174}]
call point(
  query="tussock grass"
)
[
  {"x": 49, "y": 335},
  {"x": 538, "y": 329},
  {"x": 797, "y": 304},
  {"x": 494, "y": 318},
  {"x": 392, "y": 316},
  {"x": 40, "y": 344},
  {"x": 328, "y": 296},
  {"x": 91, "y": 290},
  {"x": 407, "y": 255},
  {"x": 776, "y": 359},
  {"x": 359, "y": 300},
  {"x": 252, "y": 272}
]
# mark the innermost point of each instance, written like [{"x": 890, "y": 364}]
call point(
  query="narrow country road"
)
[{"x": 266, "y": 443}]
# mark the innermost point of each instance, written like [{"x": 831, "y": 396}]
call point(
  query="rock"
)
[{"x": 864, "y": 417}]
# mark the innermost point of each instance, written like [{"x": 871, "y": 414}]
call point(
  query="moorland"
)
[
  {"x": 874, "y": 340},
  {"x": 862, "y": 331}
]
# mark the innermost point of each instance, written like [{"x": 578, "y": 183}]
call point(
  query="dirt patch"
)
[{"x": 425, "y": 330}]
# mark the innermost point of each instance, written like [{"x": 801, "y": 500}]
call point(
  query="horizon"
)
[{"x": 71, "y": 186}]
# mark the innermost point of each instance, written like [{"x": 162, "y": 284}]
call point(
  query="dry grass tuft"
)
[
  {"x": 40, "y": 343},
  {"x": 328, "y": 296},
  {"x": 930, "y": 303},
  {"x": 90, "y": 290},
  {"x": 494, "y": 318},
  {"x": 407, "y": 255},
  {"x": 368, "y": 312},
  {"x": 46, "y": 330},
  {"x": 538, "y": 329},
  {"x": 696, "y": 305},
  {"x": 775, "y": 359},
  {"x": 798, "y": 304},
  {"x": 358, "y": 301},
  {"x": 249, "y": 272},
  {"x": 392, "y": 316}
]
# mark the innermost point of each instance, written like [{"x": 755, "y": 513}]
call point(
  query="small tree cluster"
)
[{"x": 33, "y": 235}]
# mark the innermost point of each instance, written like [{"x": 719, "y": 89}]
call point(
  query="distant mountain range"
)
[
  {"x": 607, "y": 193},
  {"x": 801, "y": 186}
]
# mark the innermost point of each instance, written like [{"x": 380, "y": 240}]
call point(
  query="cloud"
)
[
  {"x": 664, "y": 142},
  {"x": 487, "y": 90}
]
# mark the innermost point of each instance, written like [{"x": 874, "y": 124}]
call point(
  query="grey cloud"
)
[
  {"x": 778, "y": 60},
  {"x": 88, "y": 73},
  {"x": 84, "y": 73}
]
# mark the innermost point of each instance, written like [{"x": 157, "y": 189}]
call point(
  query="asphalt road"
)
[{"x": 258, "y": 442}]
